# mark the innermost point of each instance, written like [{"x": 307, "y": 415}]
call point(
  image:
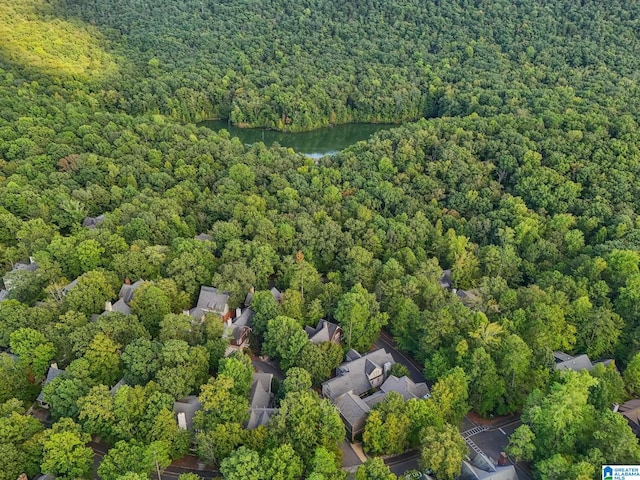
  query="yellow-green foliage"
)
[{"x": 32, "y": 37}]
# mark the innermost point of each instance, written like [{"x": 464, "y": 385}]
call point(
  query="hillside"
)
[{"x": 523, "y": 179}]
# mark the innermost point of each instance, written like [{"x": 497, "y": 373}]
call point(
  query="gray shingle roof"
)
[
  {"x": 260, "y": 400},
  {"x": 52, "y": 373},
  {"x": 244, "y": 320},
  {"x": 204, "y": 237},
  {"x": 210, "y": 300},
  {"x": 354, "y": 375},
  {"x": 323, "y": 332},
  {"x": 260, "y": 396},
  {"x": 187, "y": 406},
  {"x": 481, "y": 468},
  {"x": 127, "y": 291},
  {"x": 405, "y": 387},
  {"x": 69, "y": 286},
  {"x": 92, "y": 222},
  {"x": 3, "y": 294},
  {"x": 353, "y": 410}
]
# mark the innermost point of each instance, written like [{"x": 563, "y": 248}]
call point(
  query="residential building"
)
[
  {"x": 211, "y": 300},
  {"x": 324, "y": 332},
  {"x": 260, "y": 400},
  {"x": 52, "y": 373},
  {"x": 185, "y": 410},
  {"x": 237, "y": 331},
  {"x": 10, "y": 278},
  {"x": 483, "y": 468},
  {"x": 359, "y": 374},
  {"x": 354, "y": 409},
  {"x": 92, "y": 222},
  {"x": 631, "y": 412},
  {"x": 565, "y": 361}
]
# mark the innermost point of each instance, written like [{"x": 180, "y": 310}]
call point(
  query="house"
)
[
  {"x": 359, "y": 374},
  {"x": 445, "y": 279},
  {"x": 92, "y": 222},
  {"x": 9, "y": 279},
  {"x": 66, "y": 289},
  {"x": 52, "y": 373},
  {"x": 631, "y": 412},
  {"x": 211, "y": 300},
  {"x": 260, "y": 400},
  {"x": 237, "y": 331},
  {"x": 354, "y": 410},
  {"x": 277, "y": 295},
  {"x": 483, "y": 468},
  {"x": 324, "y": 332},
  {"x": 204, "y": 237},
  {"x": 124, "y": 299},
  {"x": 185, "y": 410},
  {"x": 121, "y": 383},
  {"x": 565, "y": 361}
]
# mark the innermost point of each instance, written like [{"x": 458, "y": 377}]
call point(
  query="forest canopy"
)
[{"x": 497, "y": 228}]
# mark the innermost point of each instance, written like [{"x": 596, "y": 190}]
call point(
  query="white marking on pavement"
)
[{"x": 503, "y": 432}]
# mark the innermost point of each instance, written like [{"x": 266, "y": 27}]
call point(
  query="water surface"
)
[{"x": 315, "y": 144}]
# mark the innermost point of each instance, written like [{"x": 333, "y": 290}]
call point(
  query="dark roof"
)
[
  {"x": 353, "y": 411},
  {"x": 323, "y": 332},
  {"x": 260, "y": 397},
  {"x": 69, "y": 286},
  {"x": 117, "y": 386},
  {"x": 405, "y": 387},
  {"x": 204, "y": 237},
  {"x": 631, "y": 412},
  {"x": 249, "y": 298},
  {"x": 482, "y": 468},
  {"x": 244, "y": 320},
  {"x": 188, "y": 406},
  {"x": 92, "y": 222},
  {"x": 52, "y": 373},
  {"x": 210, "y": 300},
  {"x": 354, "y": 375},
  {"x": 445, "y": 279},
  {"x": 127, "y": 291},
  {"x": 30, "y": 267},
  {"x": 277, "y": 294}
]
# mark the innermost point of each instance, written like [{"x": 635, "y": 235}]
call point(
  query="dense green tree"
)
[
  {"x": 90, "y": 293},
  {"x": 374, "y": 469},
  {"x": 65, "y": 453},
  {"x": 306, "y": 422},
  {"x": 284, "y": 339},
  {"x": 443, "y": 450},
  {"x": 359, "y": 316},
  {"x": 140, "y": 361},
  {"x": 151, "y": 304}
]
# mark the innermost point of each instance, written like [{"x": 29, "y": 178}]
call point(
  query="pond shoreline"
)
[{"x": 315, "y": 143}]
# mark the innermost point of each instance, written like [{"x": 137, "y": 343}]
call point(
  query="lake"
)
[{"x": 314, "y": 144}]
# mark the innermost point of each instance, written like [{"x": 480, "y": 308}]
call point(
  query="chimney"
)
[
  {"x": 252, "y": 290},
  {"x": 185, "y": 312},
  {"x": 32, "y": 260},
  {"x": 127, "y": 281},
  {"x": 615, "y": 407},
  {"x": 182, "y": 421},
  {"x": 107, "y": 306},
  {"x": 238, "y": 312},
  {"x": 54, "y": 365},
  {"x": 503, "y": 461}
]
